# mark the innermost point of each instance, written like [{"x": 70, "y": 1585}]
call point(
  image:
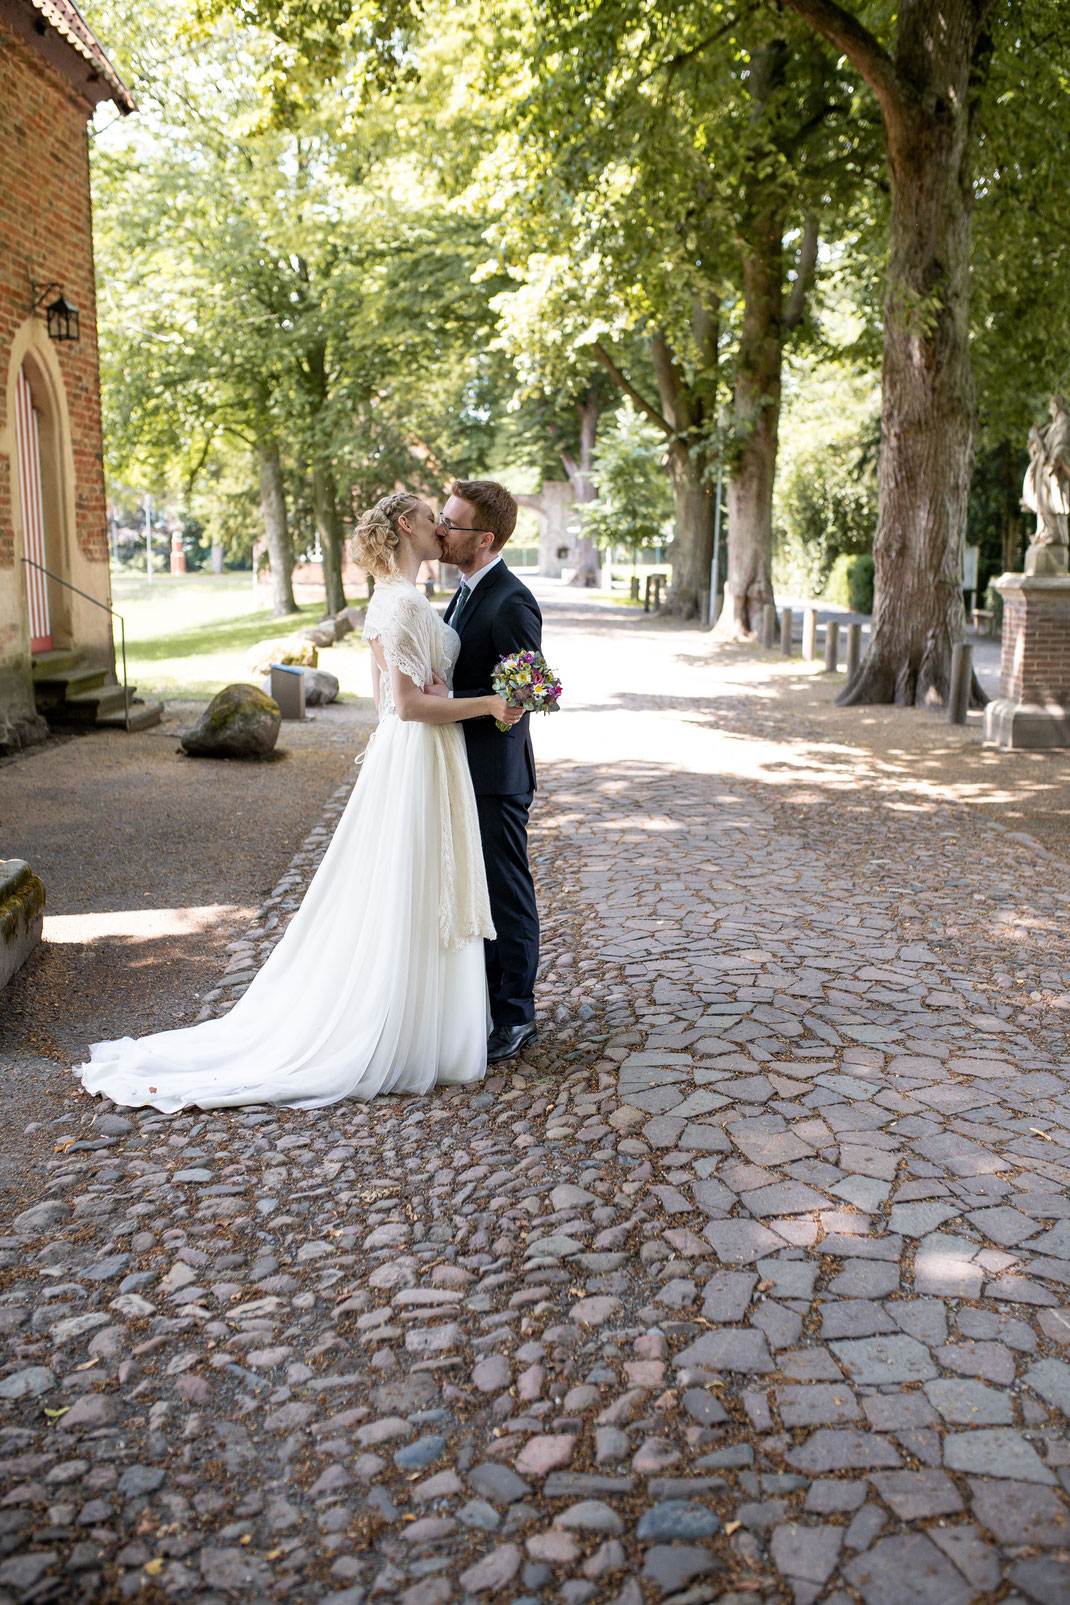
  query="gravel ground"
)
[
  {"x": 748, "y": 1281},
  {"x": 153, "y": 863}
]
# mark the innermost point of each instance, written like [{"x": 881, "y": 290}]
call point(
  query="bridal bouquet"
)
[{"x": 525, "y": 680}]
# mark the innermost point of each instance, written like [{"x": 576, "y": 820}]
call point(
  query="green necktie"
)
[{"x": 462, "y": 602}]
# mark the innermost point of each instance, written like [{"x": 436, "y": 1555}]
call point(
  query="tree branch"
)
[
  {"x": 863, "y": 50},
  {"x": 603, "y": 356},
  {"x": 805, "y": 268}
]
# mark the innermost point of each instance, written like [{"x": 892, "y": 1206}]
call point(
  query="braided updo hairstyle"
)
[{"x": 375, "y": 539}]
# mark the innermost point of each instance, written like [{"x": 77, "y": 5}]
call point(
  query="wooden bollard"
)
[
  {"x": 809, "y": 640},
  {"x": 768, "y": 625},
  {"x": 854, "y": 648},
  {"x": 832, "y": 646},
  {"x": 958, "y": 702},
  {"x": 787, "y": 624},
  {"x": 635, "y": 587},
  {"x": 704, "y": 610}
]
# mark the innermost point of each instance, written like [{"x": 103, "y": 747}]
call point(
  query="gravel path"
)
[{"x": 750, "y": 1281}]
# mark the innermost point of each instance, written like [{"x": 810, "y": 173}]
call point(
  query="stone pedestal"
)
[
  {"x": 178, "y": 556},
  {"x": 1033, "y": 706}
]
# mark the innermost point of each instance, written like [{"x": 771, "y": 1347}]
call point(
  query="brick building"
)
[{"x": 55, "y": 645}]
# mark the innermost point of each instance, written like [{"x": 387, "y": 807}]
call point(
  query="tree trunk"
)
[
  {"x": 927, "y": 420},
  {"x": 588, "y": 569},
  {"x": 688, "y": 404},
  {"x": 325, "y": 512},
  {"x": 692, "y": 544},
  {"x": 273, "y": 512},
  {"x": 749, "y": 581},
  {"x": 927, "y": 94}
]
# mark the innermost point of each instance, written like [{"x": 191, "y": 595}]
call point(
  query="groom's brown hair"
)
[{"x": 494, "y": 505}]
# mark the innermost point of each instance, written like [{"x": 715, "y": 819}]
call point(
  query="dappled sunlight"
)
[{"x": 141, "y": 924}]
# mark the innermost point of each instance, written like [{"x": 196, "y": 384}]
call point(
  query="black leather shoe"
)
[{"x": 506, "y": 1041}]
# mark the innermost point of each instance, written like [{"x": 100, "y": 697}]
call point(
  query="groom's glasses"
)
[{"x": 461, "y": 529}]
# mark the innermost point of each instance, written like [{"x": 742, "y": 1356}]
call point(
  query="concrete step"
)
[
  {"x": 52, "y": 689},
  {"x": 143, "y": 715},
  {"x": 55, "y": 661},
  {"x": 89, "y": 707}
]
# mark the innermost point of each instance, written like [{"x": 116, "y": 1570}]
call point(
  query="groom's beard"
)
[{"x": 462, "y": 553}]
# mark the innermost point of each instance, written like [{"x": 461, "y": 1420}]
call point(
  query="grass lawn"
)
[{"x": 187, "y": 635}]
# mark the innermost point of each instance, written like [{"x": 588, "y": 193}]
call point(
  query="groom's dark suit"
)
[{"x": 502, "y": 616}]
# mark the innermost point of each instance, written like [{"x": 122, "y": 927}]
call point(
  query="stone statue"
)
[{"x": 1046, "y": 492}]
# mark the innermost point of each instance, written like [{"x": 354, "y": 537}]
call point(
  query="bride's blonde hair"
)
[{"x": 375, "y": 539}]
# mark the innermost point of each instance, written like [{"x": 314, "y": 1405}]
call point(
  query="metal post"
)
[
  {"x": 715, "y": 565},
  {"x": 958, "y": 701},
  {"x": 832, "y": 646},
  {"x": 787, "y": 624},
  {"x": 809, "y": 639},
  {"x": 768, "y": 625},
  {"x": 148, "y": 538},
  {"x": 854, "y": 648}
]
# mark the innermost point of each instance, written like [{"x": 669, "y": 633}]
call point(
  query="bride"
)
[{"x": 378, "y": 984}]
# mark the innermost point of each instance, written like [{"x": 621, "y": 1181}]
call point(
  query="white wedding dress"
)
[{"x": 378, "y": 984}]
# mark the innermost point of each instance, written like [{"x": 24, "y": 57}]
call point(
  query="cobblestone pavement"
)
[{"x": 749, "y": 1282}]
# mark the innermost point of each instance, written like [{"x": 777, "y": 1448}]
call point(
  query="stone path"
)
[{"x": 751, "y": 1282}]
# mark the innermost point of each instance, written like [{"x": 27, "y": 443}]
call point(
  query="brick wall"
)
[
  {"x": 46, "y": 223},
  {"x": 1035, "y": 663},
  {"x": 46, "y": 233}
]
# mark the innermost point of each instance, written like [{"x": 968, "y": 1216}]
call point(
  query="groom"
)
[{"x": 495, "y": 614}]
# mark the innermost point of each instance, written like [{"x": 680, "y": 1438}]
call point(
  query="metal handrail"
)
[{"x": 104, "y": 608}]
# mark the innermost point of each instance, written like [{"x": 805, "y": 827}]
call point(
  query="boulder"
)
[
  {"x": 343, "y": 624},
  {"x": 291, "y": 650},
  {"x": 240, "y": 722},
  {"x": 320, "y": 687},
  {"x": 354, "y": 617},
  {"x": 320, "y": 635}
]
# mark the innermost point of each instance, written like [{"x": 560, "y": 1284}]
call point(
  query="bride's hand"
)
[
  {"x": 437, "y": 688},
  {"x": 504, "y": 712}
]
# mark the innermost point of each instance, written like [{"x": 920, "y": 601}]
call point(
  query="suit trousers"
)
[{"x": 513, "y": 958}]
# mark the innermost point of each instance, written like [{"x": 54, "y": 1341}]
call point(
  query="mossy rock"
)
[
  {"x": 292, "y": 650},
  {"x": 239, "y": 722}
]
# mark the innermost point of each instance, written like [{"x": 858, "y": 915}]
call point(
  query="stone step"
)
[
  {"x": 52, "y": 689},
  {"x": 143, "y": 715},
  {"x": 92, "y": 706}
]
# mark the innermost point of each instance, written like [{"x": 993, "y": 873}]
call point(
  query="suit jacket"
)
[{"x": 501, "y": 617}]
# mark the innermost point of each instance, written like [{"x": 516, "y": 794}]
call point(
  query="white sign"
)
[{"x": 970, "y": 555}]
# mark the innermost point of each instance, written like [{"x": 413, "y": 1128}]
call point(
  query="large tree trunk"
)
[
  {"x": 328, "y": 529},
  {"x": 926, "y": 95},
  {"x": 588, "y": 568},
  {"x": 749, "y": 580},
  {"x": 927, "y": 421},
  {"x": 693, "y": 531},
  {"x": 276, "y": 530},
  {"x": 688, "y": 403}
]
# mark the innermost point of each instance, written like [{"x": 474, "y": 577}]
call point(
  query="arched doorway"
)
[
  {"x": 31, "y": 496},
  {"x": 42, "y": 451}
]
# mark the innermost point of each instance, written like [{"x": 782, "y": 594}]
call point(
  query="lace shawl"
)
[{"x": 415, "y": 640}]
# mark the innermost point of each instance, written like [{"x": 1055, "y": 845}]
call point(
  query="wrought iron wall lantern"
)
[{"x": 61, "y": 316}]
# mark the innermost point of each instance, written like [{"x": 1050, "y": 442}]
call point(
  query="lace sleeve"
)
[{"x": 401, "y": 622}]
